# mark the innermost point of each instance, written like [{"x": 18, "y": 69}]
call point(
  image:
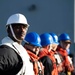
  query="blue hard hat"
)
[
  {"x": 46, "y": 39},
  {"x": 55, "y": 38},
  {"x": 33, "y": 38},
  {"x": 64, "y": 37}
]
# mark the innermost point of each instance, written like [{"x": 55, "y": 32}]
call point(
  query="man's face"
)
[
  {"x": 54, "y": 46},
  {"x": 65, "y": 45},
  {"x": 20, "y": 31},
  {"x": 33, "y": 48}
]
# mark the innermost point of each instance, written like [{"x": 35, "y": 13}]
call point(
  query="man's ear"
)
[
  {"x": 48, "y": 47},
  {"x": 8, "y": 30}
]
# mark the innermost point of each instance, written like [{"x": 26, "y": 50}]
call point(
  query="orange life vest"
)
[
  {"x": 36, "y": 64},
  {"x": 50, "y": 54},
  {"x": 66, "y": 63}
]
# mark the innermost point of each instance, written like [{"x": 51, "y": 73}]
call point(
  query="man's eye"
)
[{"x": 18, "y": 27}]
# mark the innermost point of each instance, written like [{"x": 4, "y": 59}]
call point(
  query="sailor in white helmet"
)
[{"x": 14, "y": 59}]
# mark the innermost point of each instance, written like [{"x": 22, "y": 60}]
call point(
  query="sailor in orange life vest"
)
[
  {"x": 56, "y": 54},
  {"x": 46, "y": 50},
  {"x": 33, "y": 45},
  {"x": 64, "y": 44},
  {"x": 14, "y": 59}
]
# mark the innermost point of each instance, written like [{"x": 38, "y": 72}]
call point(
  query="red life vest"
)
[
  {"x": 37, "y": 66},
  {"x": 66, "y": 63},
  {"x": 50, "y": 54}
]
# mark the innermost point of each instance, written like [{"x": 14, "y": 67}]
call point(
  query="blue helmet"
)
[
  {"x": 64, "y": 37},
  {"x": 46, "y": 39},
  {"x": 55, "y": 38},
  {"x": 33, "y": 38}
]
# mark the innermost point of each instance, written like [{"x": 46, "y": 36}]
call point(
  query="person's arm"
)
[{"x": 10, "y": 62}]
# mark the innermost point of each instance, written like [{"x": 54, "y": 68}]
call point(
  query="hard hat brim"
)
[
  {"x": 17, "y": 23},
  {"x": 67, "y": 41}
]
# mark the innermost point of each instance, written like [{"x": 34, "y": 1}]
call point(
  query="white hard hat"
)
[{"x": 17, "y": 18}]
